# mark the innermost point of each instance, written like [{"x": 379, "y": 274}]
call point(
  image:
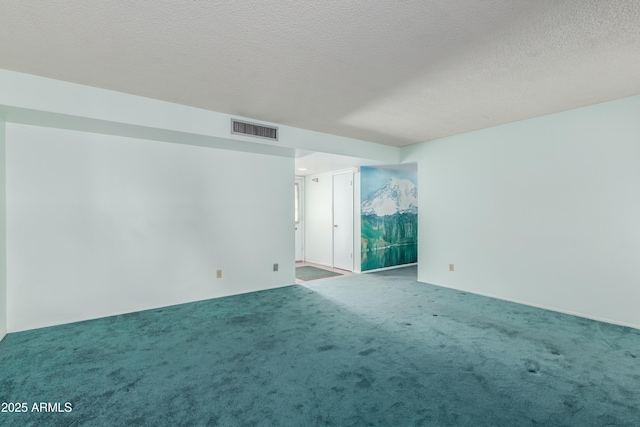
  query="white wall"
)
[
  {"x": 318, "y": 226},
  {"x": 3, "y": 222},
  {"x": 543, "y": 211},
  {"x": 100, "y": 225}
]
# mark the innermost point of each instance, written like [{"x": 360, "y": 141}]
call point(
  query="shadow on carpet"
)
[
  {"x": 308, "y": 273},
  {"x": 373, "y": 349}
]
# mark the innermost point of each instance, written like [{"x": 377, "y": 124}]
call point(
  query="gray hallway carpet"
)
[
  {"x": 308, "y": 272},
  {"x": 373, "y": 349}
]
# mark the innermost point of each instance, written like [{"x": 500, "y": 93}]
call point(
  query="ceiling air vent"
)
[{"x": 253, "y": 129}]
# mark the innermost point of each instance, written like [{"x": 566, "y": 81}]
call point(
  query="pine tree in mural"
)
[{"x": 390, "y": 225}]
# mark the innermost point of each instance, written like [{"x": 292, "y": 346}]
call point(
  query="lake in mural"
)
[{"x": 389, "y": 216}]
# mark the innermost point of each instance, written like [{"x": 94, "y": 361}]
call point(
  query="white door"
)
[
  {"x": 299, "y": 218},
  {"x": 343, "y": 221}
]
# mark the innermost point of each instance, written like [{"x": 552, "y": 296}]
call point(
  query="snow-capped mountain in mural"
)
[{"x": 395, "y": 196}]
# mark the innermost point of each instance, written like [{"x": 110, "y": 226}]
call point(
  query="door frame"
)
[
  {"x": 350, "y": 172},
  {"x": 300, "y": 181}
]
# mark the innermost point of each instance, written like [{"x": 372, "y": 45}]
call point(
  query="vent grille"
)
[{"x": 253, "y": 129}]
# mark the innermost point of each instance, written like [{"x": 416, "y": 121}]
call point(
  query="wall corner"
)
[{"x": 3, "y": 231}]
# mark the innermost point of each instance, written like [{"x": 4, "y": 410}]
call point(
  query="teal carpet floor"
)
[{"x": 374, "y": 349}]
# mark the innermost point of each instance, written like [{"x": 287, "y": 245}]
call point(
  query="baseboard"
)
[
  {"x": 544, "y": 307},
  {"x": 141, "y": 309},
  {"x": 393, "y": 267},
  {"x": 317, "y": 263}
]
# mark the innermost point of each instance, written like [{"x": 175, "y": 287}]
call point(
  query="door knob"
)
[{"x": 335, "y": 225}]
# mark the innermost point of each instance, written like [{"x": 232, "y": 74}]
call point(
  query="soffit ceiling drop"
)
[{"x": 392, "y": 72}]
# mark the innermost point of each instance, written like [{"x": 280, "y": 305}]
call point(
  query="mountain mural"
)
[
  {"x": 389, "y": 217},
  {"x": 396, "y": 196}
]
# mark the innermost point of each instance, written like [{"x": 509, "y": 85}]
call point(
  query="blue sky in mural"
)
[{"x": 374, "y": 178}]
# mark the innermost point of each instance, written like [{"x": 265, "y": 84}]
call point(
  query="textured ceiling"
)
[{"x": 393, "y": 72}]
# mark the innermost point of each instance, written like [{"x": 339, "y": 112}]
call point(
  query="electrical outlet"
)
[
  {"x": 450, "y": 267},
  {"x": 275, "y": 267},
  {"x": 219, "y": 274}
]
